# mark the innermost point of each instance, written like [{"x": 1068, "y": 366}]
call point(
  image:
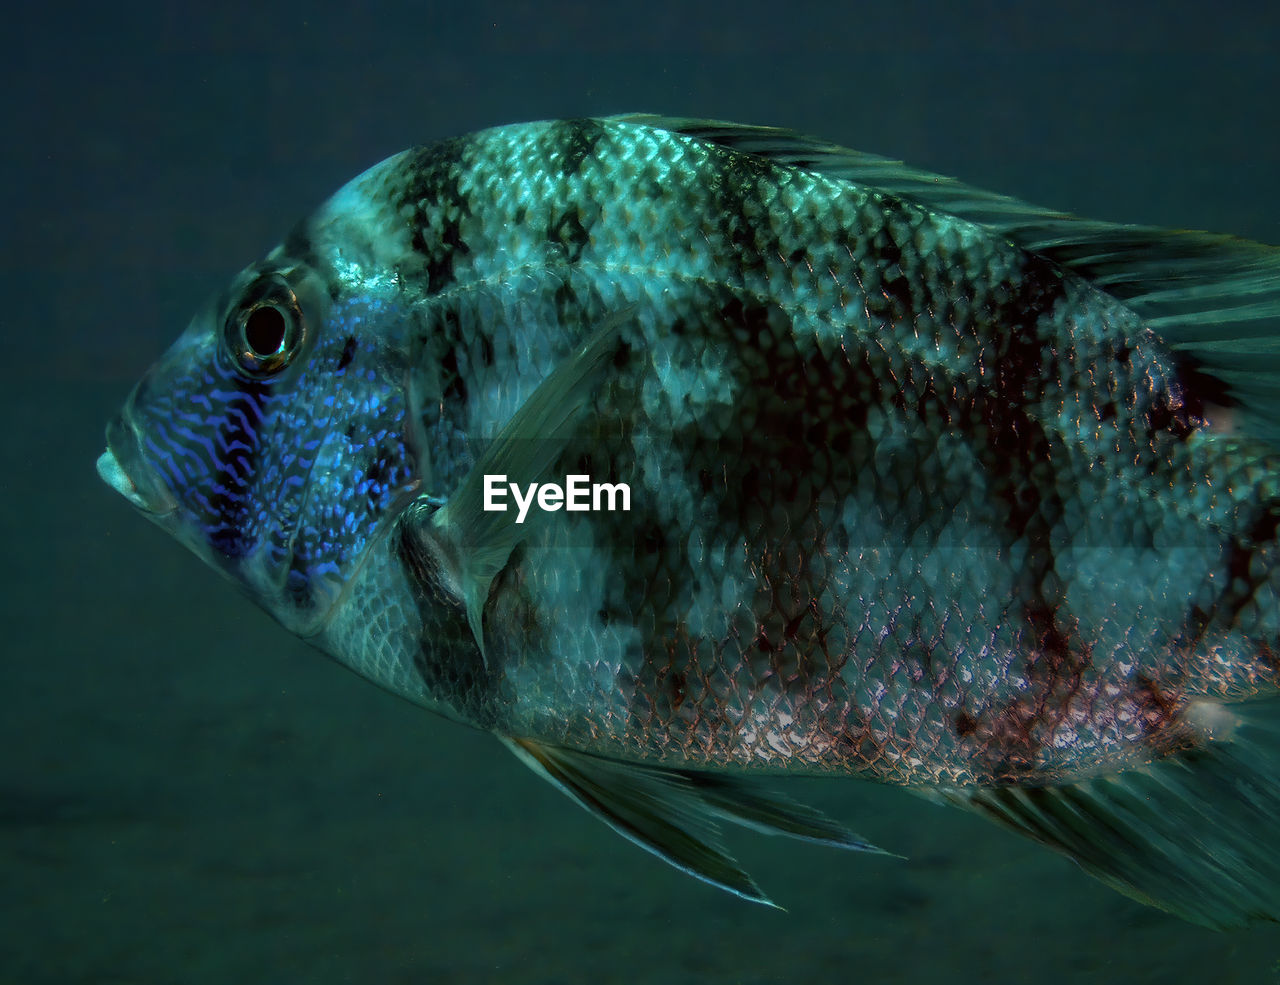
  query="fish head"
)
[{"x": 275, "y": 437}]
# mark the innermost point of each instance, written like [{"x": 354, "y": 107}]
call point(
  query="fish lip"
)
[{"x": 123, "y": 467}]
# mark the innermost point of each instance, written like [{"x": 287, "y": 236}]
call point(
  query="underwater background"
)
[{"x": 188, "y": 794}]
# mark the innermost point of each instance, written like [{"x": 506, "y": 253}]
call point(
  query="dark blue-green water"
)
[{"x": 189, "y": 795}]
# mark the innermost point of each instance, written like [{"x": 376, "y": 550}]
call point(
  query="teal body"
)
[{"x": 925, "y": 485}]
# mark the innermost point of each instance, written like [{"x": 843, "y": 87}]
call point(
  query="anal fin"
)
[
  {"x": 674, "y": 813},
  {"x": 1193, "y": 833}
]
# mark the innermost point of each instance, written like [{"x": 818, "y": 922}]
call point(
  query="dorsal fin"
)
[{"x": 1213, "y": 299}]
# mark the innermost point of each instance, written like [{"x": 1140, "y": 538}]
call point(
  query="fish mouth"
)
[{"x": 123, "y": 468}]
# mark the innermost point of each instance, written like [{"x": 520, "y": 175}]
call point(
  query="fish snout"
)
[{"x": 123, "y": 467}]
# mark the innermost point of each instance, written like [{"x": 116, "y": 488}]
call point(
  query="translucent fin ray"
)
[
  {"x": 1213, "y": 299},
  {"x": 675, "y": 813},
  {"x": 477, "y": 543},
  {"x": 1191, "y": 834}
]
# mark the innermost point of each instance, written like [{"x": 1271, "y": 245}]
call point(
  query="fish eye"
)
[{"x": 265, "y": 331}]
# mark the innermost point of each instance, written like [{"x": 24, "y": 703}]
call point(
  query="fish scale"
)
[{"x": 927, "y": 486}]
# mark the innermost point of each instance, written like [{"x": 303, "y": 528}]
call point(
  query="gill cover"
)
[{"x": 277, "y": 434}]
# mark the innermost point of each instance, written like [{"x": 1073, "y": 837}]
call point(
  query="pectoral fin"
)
[
  {"x": 474, "y": 543},
  {"x": 674, "y": 813}
]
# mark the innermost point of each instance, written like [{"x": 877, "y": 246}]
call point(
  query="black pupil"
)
[{"x": 264, "y": 331}]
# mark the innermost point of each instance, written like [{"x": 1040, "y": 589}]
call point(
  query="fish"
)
[{"x": 924, "y": 486}]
